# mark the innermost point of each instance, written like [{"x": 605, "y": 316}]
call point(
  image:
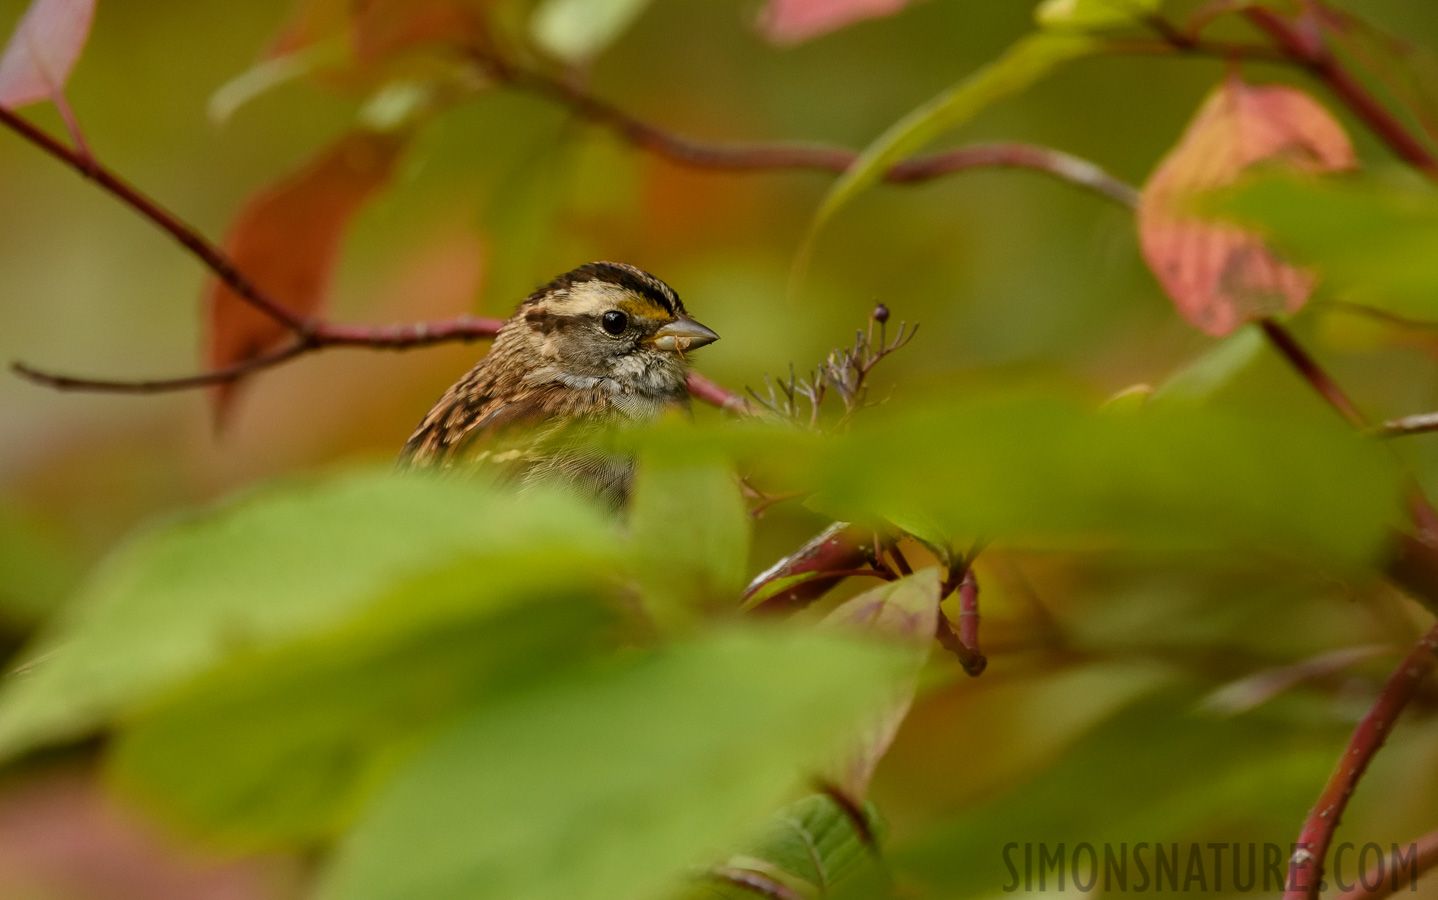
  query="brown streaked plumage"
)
[{"x": 601, "y": 344}]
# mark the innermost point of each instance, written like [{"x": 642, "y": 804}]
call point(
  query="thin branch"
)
[
  {"x": 1305, "y": 868},
  {"x": 189, "y": 238},
  {"x": 1303, "y": 43},
  {"x": 1425, "y": 858},
  {"x": 752, "y": 157},
  {"x": 702, "y": 388},
  {"x": 1422, "y": 423},
  {"x": 391, "y": 337},
  {"x": 1308, "y": 368}
]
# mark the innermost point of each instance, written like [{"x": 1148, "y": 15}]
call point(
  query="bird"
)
[{"x": 601, "y": 345}]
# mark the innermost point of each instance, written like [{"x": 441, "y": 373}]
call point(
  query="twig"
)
[
  {"x": 1305, "y": 868},
  {"x": 1303, "y": 43},
  {"x": 1308, "y": 368},
  {"x": 189, "y": 238},
  {"x": 394, "y": 337},
  {"x": 1425, "y": 858},
  {"x": 1420, "y": 423},
  {"x": 753, "y": 157}
]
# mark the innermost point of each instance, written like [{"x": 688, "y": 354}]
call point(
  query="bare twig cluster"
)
[{"x": 844, "y": 373}]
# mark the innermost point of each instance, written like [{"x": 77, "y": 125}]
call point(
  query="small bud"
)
[{"x": 881, "y": 314}]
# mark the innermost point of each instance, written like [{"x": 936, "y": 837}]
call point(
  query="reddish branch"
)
[
  {"x": 1301, "y": 40},
  {"x": 963, "y": 640},
  {"x": 1425, "y": 858},
  {"x": 1305, "y": 868},
  {"x": 818, "y": 157},
  {"x": 1308, "y": 368}
]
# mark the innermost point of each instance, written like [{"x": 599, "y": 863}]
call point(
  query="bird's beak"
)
[{"x": 683, "y": 334}]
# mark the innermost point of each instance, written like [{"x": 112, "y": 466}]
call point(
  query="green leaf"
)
[
  {"x": 1093, "y": 14},
  {"x": 1025, "y": 63},
  {"x": 690, "y": 531},
  {"x": 1219, "y": 365},
  {"x": 1373, "y": 243},
  {"x": 577, "y": 30},
  {"x": 607, "y": 787},
  {"x": 282, "y": 748},
  {"x": 811, "y": 845},
  {"x": 268, "y": 568},
  {"x": 1044, "y": 470}
]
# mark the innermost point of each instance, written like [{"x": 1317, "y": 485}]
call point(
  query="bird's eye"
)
[{"x": 614, "y": 322}]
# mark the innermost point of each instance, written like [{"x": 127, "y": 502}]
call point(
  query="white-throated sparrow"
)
[{"x": 600, "y": 345}]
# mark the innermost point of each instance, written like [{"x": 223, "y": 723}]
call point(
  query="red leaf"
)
[
  {"x": 286, "y": 240},
  {"x": 43, "y": 50},
  {"x": 1221, "y": 276},
  {"x": 795, "y": 21}
]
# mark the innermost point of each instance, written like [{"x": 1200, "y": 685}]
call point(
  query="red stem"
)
[
  {"x": 192, "y": 240},
  {"x": 1305, "y": 869},
  {"x": 1303, "y": 42},
  {"x": 1308, "y": 368}
]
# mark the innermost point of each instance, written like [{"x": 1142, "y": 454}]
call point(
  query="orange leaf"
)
[
  {"x": 43, "y": 50},
  {"x": 1220, "y": 276},
  {"x": 286, "y": 240},
  {"x": 795, "y": 21}
]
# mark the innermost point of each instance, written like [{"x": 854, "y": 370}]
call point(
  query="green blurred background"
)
[{"x": 1011, "y": 274}]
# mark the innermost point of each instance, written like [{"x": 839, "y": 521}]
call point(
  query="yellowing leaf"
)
[
  {"x": 1220, "y": 276},
  {"x": 43, "y": 50}
]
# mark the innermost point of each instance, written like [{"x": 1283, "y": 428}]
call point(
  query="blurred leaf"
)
[
  {"x": 1206, "y": 375},
  {"x": 787, "y": 22},
  {"x": 1037, "y": 470},
  {"x": 1220, "y": 276},
  {"x": 905, "y": 611},
  {"x": 269, "y": 568},
  {"x": 43, "y": 50},
  {"x": 1156, "y": 773},
  {"x": 268, "y": 74},
  {"x": 1044, "y": 469},
  {"x": 287, "y": 240},
  {"x": 809, "y": 845},
  {"x": 676, "y": 754},
  {"x": 1254, "y": 690},
  {"x": 281, "y": 748},
  {"x": 578, "y": 30},
  {"x": 690, "y": 532},
  {"x": 1373, "y": 243},
  {"x": 1094, "y": 14},
  {"x": 1023, "y": 64}
]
